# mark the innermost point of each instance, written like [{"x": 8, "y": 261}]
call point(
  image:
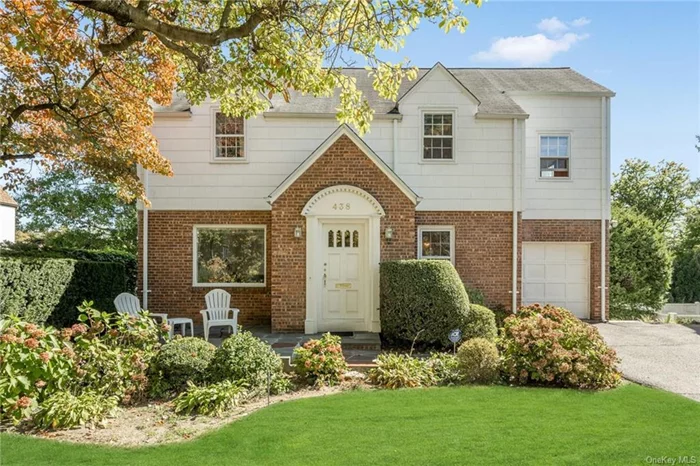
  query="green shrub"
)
[
  {"x": 64, "y": 410},
  {"x": 475, "y": 295},
  {"x": 501, "y": 314},
  {"x": 479, "y": 323},
  {"x": 180, "y": 361},
  {"x": 445, "y": 368},
  {"x": 478, "y": 361},
  {"x": 43, "y": 290},
  {"x": 321, "y": 361},
  {"x": 549, "y": 345},
  {"x": 685, "y": 287},
  {"x": 246, "y": 359},
  {"x": 401, "y": 371},
  {"x": 421, "y": 297},
  {"x": 640, "y": 266},
  {"x": 35, "y": 363},
  {"x": 210, "y": 400}
]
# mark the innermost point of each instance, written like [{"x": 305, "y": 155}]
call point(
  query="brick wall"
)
[
  {"x": 587, "y": 231},
  {"x": 342, "y": 163},
  {"x": 170, "y": 265},
  {"x": 483, "y": 245}
]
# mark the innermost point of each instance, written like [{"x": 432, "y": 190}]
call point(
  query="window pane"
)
[
  {"x": 339, "y": 239},
  {"x": 227, "y": 255},
  {"x": 228, "y": 125},
  {"x": 330, "y": 239},
  {"x": 355, "y": 239},
  {"x": 347, "y": 238},
  {"x": 230, "y": 147},
  {"x": 435, "y": 244}
]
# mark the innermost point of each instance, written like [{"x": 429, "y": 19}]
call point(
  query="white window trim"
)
[
  {"x": 227, "y": 285},
  {"x": 540, "y": 135},
  {"x": 419, "y": 240},
  {"x": 214, "y": 158},
  {"x": 421, "y": 135}
]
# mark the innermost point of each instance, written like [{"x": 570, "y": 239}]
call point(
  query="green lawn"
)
[{"x": 431, "y": 426}]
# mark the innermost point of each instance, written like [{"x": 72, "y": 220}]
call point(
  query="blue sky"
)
[{"x": 647, "y": 52}]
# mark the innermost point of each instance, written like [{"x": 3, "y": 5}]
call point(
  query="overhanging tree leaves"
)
[{"x": 77, "y": 76}]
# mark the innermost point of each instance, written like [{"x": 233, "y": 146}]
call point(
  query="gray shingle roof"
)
[
  {"x": 490, "y": 86},
  {"x": 6, "y": 199}
]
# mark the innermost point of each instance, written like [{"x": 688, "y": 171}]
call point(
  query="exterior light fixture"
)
[
  {"x": 297, "y": 232},
  {"x": 613, "y": 223},
  {"x": 389, "y": 233}
]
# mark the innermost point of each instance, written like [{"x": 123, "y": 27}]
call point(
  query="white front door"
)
[{"x": 345, "y": 286}]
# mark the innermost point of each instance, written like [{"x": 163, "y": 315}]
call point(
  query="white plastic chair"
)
[
  {"x": 219, "y": 312},
  {"x": 127, "y": 303}
]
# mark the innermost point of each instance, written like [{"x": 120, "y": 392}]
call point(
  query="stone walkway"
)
[{"x": 359, "y": 348}]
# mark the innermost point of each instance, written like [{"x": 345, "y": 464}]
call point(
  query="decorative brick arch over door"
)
[{"x": 342, "y": 260}]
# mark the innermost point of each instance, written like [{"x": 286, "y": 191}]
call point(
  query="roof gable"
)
[
  {"x": 439, "y": 68},
  {"x": 343, "y": 130},
  {"x": 6, "y": 199}
]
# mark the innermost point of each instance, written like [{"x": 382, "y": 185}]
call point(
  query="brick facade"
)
[
  {"x": 170, "y": 242},
  {"x": 342, "y": 163},
  {"x": 483, "y": 245},
  {"x": 585, "y": 231}
]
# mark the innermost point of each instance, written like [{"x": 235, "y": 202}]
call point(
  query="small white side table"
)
[{"x": 183, "y": 322}]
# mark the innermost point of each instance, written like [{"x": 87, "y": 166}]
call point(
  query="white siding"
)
[
  {"x": 579, "y": 196},
  {"x": 7, "y": 223}
]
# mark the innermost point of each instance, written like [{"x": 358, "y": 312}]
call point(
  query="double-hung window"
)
[
  {"x": 555, "y": 156},
  {"x": 229, "y": 255},
  {"x": 438, "y": 136},
  {"x": 436, "y": 242},
  {"x": 229, "y": 138}
]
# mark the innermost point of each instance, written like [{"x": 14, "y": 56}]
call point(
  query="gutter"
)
[
  {"x": 144, "y": 301},
  {"x": 395, "y": 150},
  {"x": 514, "y": 290},
  {"x": 604, "y": 190},
  {"x": 325, "y": 116}
]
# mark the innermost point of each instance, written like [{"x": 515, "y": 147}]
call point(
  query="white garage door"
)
[{"x": 558, "y": 274}]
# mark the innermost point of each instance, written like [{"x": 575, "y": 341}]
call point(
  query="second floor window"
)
[
  {"x": 438, "y": 136},
  {"x": 229, "y": 138},
  {"x": 554, "y": 156}
]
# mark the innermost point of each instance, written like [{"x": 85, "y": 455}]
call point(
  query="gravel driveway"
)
[{"x": 665, "y": 356}]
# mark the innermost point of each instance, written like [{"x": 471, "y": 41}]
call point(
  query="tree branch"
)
[
  {"x": 199, "y": 61},
  {"x": 115, "y": 47}
]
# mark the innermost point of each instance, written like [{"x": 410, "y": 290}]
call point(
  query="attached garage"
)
[{"x": 559, "y": 274}]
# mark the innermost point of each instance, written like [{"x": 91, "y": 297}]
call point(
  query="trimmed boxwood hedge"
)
[
  {"x": 425, "y": 296},
  {"x": 43, "y": 290}
]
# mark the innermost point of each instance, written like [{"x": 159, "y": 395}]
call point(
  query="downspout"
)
[
  {"x": 604, "y": 136},
  {"x": 514, "y": 291},
  {"x": 395, "y": 149},
  {"x": 144, "y": 301}
]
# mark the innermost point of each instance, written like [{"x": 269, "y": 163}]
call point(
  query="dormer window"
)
[
  {"x": 438, "y": 136},
  {"x": 229, "y": 138}
]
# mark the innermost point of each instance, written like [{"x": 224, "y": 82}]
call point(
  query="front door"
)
[{"x": 344, "y": 283}]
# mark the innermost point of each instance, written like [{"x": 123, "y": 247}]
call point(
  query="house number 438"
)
[{"x": 341, "y": 206}]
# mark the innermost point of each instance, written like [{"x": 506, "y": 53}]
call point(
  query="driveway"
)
[{"x": 665, "y": 356}]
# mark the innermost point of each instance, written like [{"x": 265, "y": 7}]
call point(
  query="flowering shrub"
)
[
  {"x": 321, "y": 361},
  {"x": 478, "y": 361},
  {"x": 180, "y": 361},
  {"x": 64, "y": 409},
  {"x": 401, "y": 371},
  {"x": 211, "y": 400},
  {"x": 246, "y": 359},
  {"x": 35, "y": 363},
  {"x": 549, "y": 345}
]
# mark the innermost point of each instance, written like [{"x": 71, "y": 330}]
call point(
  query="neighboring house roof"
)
[
  {"x": 343, "y": 130},
  {"x": 491, "y": 87},
  {"x": 6, "y": 199}
]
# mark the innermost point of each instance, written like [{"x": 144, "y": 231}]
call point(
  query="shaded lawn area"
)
[{"x": 422, "y": 426}]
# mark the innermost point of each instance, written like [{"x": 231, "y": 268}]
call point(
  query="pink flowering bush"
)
[
  {"x": 35, "y": 363},
  {"x": 321, "y": 362},
  {"x": 549, "y": 345}
]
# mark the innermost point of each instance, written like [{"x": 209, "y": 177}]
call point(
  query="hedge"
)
[
  {"x": 26, "y": 250},
  {"x": 42, "y": 290},
  {"x": 421, "y": 299},
  {"x": 685, "y": 287}
]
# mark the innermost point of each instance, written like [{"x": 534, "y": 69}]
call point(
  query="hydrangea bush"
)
[
  {"x": 549, "y": 345},
  {"x": 321, "y": 361}
]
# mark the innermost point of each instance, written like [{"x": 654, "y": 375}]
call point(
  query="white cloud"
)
[
  {"x": 580, "y": 22},
  {"x": 528, "y": 50},
  {"x": 552, "y": 26}
]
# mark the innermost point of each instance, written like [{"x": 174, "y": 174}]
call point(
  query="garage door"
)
[{"x": 558, "y": 274}]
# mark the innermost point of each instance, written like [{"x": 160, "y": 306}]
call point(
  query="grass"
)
[{"x": 431, "y": 426}]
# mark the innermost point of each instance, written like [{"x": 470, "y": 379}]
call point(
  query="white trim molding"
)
[
  {"x": 340, "y": 208},
  {"x": 196, "y": 284}
]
